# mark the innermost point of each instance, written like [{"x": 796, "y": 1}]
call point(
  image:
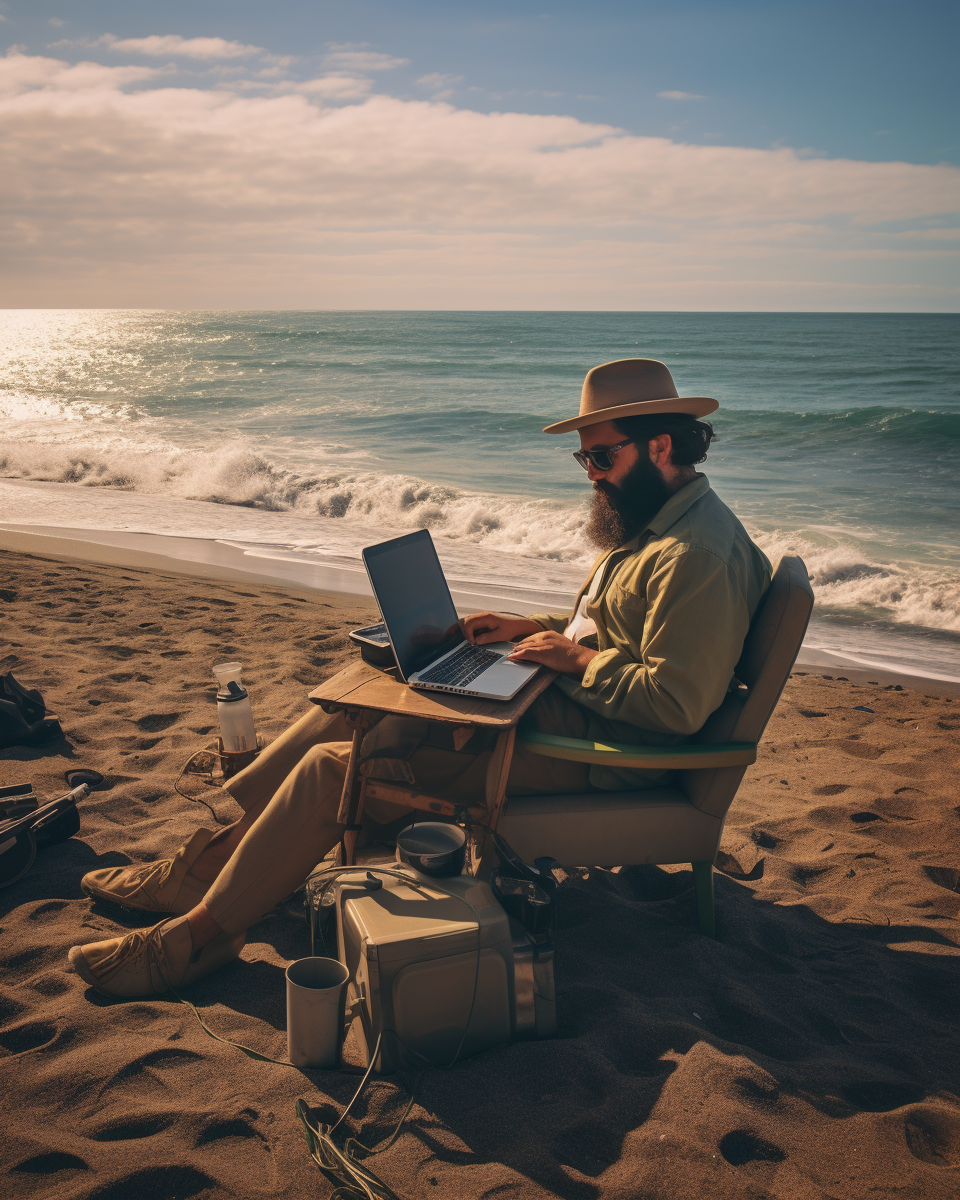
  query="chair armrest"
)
[{"x": 689, "y": 757}]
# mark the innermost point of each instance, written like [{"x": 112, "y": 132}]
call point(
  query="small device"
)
[
  {"x": 424, "y": 629},
  {"x": 374, "y": 643},
  {"x": 438, "y": 970}
]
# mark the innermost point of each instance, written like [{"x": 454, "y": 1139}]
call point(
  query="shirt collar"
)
[{"x": 674, "y": 509}]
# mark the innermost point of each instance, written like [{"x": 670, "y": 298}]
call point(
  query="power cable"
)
[{"x": 341, "y": 1164}]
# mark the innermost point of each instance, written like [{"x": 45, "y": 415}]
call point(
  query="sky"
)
[{"x": 423, "y": 154}]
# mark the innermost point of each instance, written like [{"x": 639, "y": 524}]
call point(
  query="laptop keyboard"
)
[{"x": 462, "y": 667}]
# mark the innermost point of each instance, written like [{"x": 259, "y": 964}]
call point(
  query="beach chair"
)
[{"x": 681, "y": 823}]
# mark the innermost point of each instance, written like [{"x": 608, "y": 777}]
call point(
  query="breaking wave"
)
[
  {"x": 240, "y": 475},
  {"x": 847, "y": 581}
]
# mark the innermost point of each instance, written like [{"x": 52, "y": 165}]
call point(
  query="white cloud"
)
[
  {"x": 162, "y": 46},
  {"x": 185, "y": 197},
  {"x": 56, "y": 22},
  {"x": 438, "y": 80},
  {"x": 363, "y": 60},
  {"x": 335, "y": 86},
  {"x": 680, "y": 96},
  {"x": 23, "y": 74}
]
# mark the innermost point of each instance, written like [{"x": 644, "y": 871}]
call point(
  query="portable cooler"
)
[{"x": 412, "y": 953}]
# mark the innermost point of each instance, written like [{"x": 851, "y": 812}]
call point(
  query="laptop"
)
[{"x": 429, "y": 645}]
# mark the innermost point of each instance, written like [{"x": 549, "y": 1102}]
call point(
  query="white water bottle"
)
[{"x": 233, "y": 709}]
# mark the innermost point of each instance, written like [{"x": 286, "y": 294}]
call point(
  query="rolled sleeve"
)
[{"x": 555, "y": 621}]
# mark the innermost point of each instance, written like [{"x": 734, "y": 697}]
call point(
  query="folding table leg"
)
[
  {"x": 498, "y": 771},
  {"x": 350, "y": 813},
  {"x": 703, "y": 885}
]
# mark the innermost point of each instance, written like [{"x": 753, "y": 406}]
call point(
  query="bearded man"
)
[{"x": 646, "y": 656}]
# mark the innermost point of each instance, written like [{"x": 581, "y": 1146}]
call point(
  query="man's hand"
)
[
  {"x": 555, "y": 651},
  {"x": 486, "y": 627}
]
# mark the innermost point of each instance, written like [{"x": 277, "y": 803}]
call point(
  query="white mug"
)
[{"x": 315, "y": 1011}]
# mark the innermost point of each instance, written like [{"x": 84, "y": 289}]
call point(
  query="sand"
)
[{"x": 812, "y": 1051}]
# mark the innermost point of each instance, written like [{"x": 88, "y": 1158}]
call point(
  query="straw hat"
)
[{"x": 631, "y": 387}]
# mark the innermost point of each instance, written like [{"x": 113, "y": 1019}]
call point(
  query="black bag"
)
[
  {"x": 23, "y": 715},
  {"x": 44, "y": 826}
]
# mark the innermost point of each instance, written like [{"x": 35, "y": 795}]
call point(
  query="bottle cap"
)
[{"x": 233, "y": 691}]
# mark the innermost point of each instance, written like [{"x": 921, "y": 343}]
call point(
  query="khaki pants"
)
[{"x": 302, "y": 775}]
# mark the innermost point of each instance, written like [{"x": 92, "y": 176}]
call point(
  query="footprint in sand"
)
[
  {"x": 23, "y": 1038},
  {"x": 53, "y": 1163},
  {"x": 26, "y": 958},
  {"x": 213, "y": 600},
  {"x": 49, "y": 909},
  {"x": 156, "y": 722},
  {"x": 757, "y": 1092},
  {"x": 933, "y": 1135},
  {"x": 149, "y": 1070},
  {"x": 740, "y": 1146},
  {"x": 861, "y": 749},
  {"x": 181, "y": 1182},
  {"x": 120, "y": 651},
  {"x": 243, "y": 1152},
  {"x": 139, "y": 1016},
  {"x": 9, "y": 1009},
  {"x": 945, "y": 877},
  {"x": 50, "y": 985},
  {"x": 138, "y": 1127}
]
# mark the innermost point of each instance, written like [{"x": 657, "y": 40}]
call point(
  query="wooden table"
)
[{"x": 366, "y": 694}]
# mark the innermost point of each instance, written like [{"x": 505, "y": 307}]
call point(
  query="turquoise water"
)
[{"x": 839, "y": 435}]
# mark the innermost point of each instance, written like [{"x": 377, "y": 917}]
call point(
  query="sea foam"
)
[
  {"x": 237, "y": 474},
  {"x": 847, "y": 581}
]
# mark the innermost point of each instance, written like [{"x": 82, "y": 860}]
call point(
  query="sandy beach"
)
[{"x": 811, "y": 1052}]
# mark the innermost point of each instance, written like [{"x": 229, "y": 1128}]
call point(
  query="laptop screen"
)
[{"x": 414, "y": 599}]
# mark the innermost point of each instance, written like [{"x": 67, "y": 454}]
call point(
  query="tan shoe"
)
[
  {"x": 152, "y": 961},
  {"x": 165, "y": 886}
]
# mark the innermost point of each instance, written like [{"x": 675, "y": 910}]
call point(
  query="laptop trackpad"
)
[{"x": 504, "y": 678}]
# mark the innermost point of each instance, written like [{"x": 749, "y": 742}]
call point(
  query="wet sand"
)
[{"x": 811, "y": 1052}]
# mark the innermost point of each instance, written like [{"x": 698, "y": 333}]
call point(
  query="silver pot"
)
[{"x": 433, "y": 847}]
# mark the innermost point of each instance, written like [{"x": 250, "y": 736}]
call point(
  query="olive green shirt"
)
[{"x": 672, "y": 608}]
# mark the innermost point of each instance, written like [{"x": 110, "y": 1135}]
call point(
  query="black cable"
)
[
  {"x": 340, "y": 1163},
  {"x": 206, "y": 782}
]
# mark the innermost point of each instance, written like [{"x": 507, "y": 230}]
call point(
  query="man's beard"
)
[{"x": 620, "y": 512}]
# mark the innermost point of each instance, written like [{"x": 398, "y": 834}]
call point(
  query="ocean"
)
[{"x": 302, "y": 436}]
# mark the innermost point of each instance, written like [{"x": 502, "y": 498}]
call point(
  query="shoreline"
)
[{"x": 210, "y": 559}]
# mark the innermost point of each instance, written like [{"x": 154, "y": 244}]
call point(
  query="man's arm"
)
[
  {"x": 486, "y": 627},
  {"x": 555, "y": 621},
  {"x": 691, "y": 623}
]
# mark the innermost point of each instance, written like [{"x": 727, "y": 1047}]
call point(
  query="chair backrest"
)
[{"x": 769, "y": 651}]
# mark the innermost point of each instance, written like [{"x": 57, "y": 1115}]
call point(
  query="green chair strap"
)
[{"x": 686, "y": 757}]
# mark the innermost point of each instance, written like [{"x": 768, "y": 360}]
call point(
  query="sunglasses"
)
[{"x": 602, "y": 459}]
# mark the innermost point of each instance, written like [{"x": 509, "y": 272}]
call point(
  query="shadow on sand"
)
[{"x": 792, "y": 1007}]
